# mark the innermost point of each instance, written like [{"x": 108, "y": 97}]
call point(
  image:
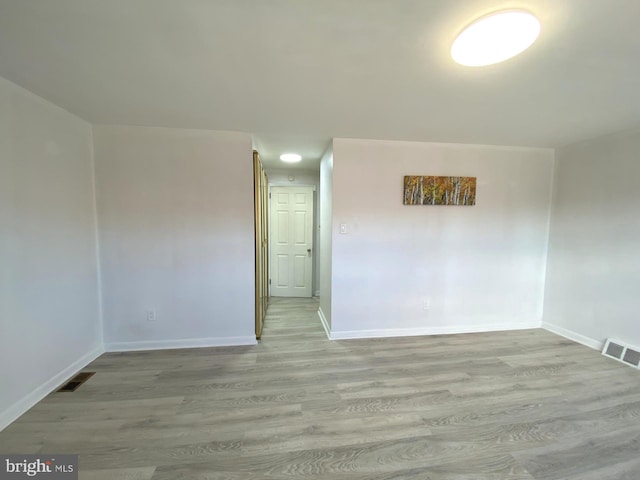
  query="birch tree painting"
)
[{"x": 426, "y": 190}]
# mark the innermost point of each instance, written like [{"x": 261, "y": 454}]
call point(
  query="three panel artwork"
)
[{"x": 430, "y": 190}]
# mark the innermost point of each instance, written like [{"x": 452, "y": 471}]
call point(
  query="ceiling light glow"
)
[
  {"x": 495, "y": 38},
  {"x": 290, "y": 157}
]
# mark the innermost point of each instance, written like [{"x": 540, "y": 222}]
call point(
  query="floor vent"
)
[
  {"x": 73, "y": 384},
  {"x": 622, "y": 352}
]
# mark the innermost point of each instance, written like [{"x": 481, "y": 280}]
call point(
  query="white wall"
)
[
  {"x": 593, "y": 273},
  {"x": 280, "y": 177},
  {"x": 479, "y": 268},
  {"x": 326, "y": 230},
  {"x": 176, "y": 236},
  {"x": 49, "y": 297}
]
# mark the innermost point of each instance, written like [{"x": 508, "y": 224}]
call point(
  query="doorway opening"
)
[{"x": 291, "y": 240}]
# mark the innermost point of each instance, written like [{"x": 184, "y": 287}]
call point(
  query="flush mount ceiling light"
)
[
  {"x": 290, "y": 157},
  {"x": 495, "y": 38}
]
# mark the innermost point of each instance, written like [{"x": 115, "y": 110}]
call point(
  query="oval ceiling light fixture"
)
[
  {"x": 495, "y": 38},
  {"x": 290, "y": 157}
]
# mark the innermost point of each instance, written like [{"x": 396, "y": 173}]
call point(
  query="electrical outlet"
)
[
  {"x": 426, "y": 304},
  {"x": 151, "y": 315}
]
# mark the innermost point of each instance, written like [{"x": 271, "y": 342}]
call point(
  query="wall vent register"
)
[
  {"x": 73, "y": 384},
  {"x": 622, "y": 352}
]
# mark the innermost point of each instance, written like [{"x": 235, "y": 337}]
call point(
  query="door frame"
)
[{"x": 261, "y": 239}]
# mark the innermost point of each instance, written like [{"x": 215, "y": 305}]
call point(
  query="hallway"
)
[{"x": 291, "y": 319}]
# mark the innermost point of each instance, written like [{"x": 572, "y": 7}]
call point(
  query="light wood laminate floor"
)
[{"x": 506, "y": 405}]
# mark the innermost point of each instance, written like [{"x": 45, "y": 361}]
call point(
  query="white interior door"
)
[{"x": 291, "y": 233}]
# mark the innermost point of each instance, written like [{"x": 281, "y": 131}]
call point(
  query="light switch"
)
[{"x": 343, "y": 228}]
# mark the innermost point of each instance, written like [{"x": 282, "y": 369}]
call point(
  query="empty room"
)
[{"x": 327, "y": 239}]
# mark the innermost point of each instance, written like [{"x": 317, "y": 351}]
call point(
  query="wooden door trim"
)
[{"x": 261, "y": 252}]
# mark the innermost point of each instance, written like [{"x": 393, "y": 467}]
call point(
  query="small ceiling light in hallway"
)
[
  {"x": 290, "y": 157},
  {"x": 495, "y": 38}
]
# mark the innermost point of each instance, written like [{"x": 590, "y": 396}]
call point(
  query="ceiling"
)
[{"x": 296, "y": 73}]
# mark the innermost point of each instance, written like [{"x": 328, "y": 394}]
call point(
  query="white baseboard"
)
[
  {"x": 317, "y": 294},
  {"x": 23, "y": 405},
  {"x": 325, "y": 323},
  {"x": 446, "y": 330},
  {"x": 182, "y": 343},
  {"x": 571, "y": 335}
]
